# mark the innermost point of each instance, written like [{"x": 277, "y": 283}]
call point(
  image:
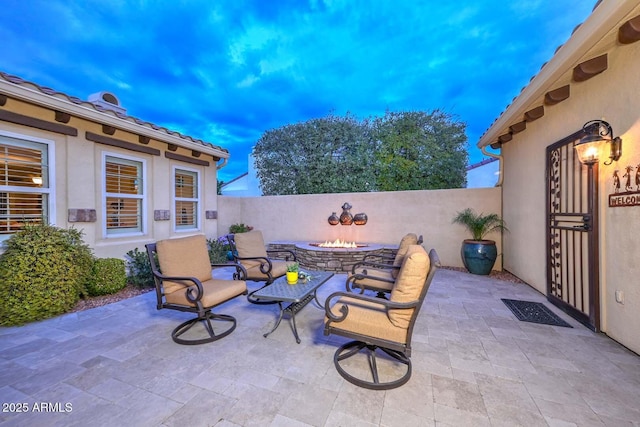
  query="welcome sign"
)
[{"x": 631, "y": 195}]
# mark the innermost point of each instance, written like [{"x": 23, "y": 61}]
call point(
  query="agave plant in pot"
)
[{"x": 479, "y": 254}]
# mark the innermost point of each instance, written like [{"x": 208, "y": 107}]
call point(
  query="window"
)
[
  {"x": 124, "y": 195},
  {"x": 25, "y": 191},
  {"x": 186, "y": 195}
]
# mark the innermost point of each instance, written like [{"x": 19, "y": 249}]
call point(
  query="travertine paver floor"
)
[{"x": 474, "y": 364}]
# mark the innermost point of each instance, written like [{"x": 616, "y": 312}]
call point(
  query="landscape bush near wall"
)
[{"x": 390, "y": 216}]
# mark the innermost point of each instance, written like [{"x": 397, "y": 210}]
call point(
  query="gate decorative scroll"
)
[{"x": 572, "y": 236}]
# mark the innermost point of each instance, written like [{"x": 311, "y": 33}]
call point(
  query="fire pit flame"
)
[{"x": 338, "y": 244}]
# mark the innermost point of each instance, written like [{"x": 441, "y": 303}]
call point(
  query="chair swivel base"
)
[
  {"x": 206, "y": 322},
  {"x": 354, "y": 347}
]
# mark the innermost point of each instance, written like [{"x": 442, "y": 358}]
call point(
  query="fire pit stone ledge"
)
[{"x": 337, "y": 260}]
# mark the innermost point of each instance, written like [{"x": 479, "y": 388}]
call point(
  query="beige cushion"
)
[
  {"x": 367, "y": 318},
  {"x": 215, "y": 292},
  {"x": 250, "y": 245},
  {"x": 185, "y": 257},
  {"x": 408, "y": 240},
  {"x": 409, "y": 284}
]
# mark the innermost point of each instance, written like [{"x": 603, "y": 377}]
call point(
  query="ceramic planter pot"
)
[
  {"x": 479, "y": 256},
  {"x": 292, "y": 277}
]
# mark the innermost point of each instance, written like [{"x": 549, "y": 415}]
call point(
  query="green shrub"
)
[
  {"x": 43, "y": 272},
  {"x": 239, "y": 228},
  {"x": 139, "y": 269},
  {"x": 108, "y": 276},
  {"x": 218, "y": 249}
]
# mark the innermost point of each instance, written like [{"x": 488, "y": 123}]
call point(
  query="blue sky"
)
[{"x": 226, "y": 71}]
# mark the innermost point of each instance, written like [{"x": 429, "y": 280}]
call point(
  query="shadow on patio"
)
[{"x": 474, "y": 363}]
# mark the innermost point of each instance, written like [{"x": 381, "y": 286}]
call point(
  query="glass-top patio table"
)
[{"x": 299, "y": 295}]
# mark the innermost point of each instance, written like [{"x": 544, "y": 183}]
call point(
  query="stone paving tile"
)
[{"x": 473, "y": 364}]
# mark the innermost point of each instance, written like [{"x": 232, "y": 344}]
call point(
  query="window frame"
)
[
  {"x": 197, "y": 199},
  {"x": 50, "y": 190},
  {"x": 143, "y": 197}
]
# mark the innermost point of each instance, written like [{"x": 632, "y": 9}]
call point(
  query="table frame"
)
[{"x": 298, "y": 295}]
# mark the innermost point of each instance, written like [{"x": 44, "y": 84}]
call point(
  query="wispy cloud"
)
[{"x": 226, "y": 71}]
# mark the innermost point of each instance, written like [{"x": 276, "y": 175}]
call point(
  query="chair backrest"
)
[
  {"x": 412, "y": 284},
  {"x": 183, "y": 257},
  {"x": 408, "y": 240},
  {"x": 250, "y": 245}
]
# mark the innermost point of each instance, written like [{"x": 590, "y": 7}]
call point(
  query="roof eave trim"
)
[
  {"x": 33, "y": 96},
  {"x": 595, "y": 27}
]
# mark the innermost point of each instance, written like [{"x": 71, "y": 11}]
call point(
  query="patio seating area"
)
[{"x": 474, "y": 364}]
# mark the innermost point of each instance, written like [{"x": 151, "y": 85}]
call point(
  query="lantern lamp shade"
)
[{"x": 589, "y": 149}]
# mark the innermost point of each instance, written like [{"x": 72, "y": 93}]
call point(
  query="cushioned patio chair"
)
[
  {"x": 378, "y": 273},
  {"x": 380, "y": 325},
  {"x": 250, "y": 251},
  {"x": 183, "y": 277}
]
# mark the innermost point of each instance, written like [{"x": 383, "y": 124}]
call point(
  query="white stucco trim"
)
[
  {"x": 51, "y": 155},
  {"x": 199, "y": 211},
  {"x": 103, "y": 195}
]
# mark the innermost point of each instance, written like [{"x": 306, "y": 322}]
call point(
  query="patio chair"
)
[
  {"x": 380, "y": 325},
  {"x": 183, "y": 276},
  {"x": 250, "y": 251},
  {"x": 378, "y": 273}
]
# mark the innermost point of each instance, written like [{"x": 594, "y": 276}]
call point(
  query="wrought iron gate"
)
[{"x": 572, "y": 230}]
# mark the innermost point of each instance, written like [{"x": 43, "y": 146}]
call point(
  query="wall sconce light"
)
[
  {"x": 597, "y": 133},
  {"x": 37, "y": 180}
]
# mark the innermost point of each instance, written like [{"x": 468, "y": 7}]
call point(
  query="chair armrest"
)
[
  {"x": 241, "y": 272},
  {"x": 370, "y": 299},
  {"x": 386, "y": 259},
  {"x": 380, "y": 266},
  {"x": 351, "y": 286},
  {"x": 289, "y": 253},
  {"x": 190, "y": 289},
  {"x": 265, "y": 263}
]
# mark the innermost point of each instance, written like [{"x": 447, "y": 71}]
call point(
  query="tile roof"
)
[{"x": 100, "y": 109}]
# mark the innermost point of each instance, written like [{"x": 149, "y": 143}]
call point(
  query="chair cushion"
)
[
  {"x": 409, "y": 284},
  {"x": 408, "y": 240},
  {"x": 250, "y": 245},
  {"x": 368, "y": 319},
  {"x": 185, "y": 256},
  {"x": 215, "y": 292}
]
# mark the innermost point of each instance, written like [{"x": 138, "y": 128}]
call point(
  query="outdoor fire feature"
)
[
  {"x": 334, "y": 259},
  {"x": 339, "y": 244},
  {"x": 338, "y": 260}
]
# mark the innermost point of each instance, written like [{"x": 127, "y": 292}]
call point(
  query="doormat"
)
[{"x": 535, "y": 312}]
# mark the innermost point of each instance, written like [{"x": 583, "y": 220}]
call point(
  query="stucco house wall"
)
[
  {"x": 77, "y": 166},
  {"x": 611, "y": 95}
]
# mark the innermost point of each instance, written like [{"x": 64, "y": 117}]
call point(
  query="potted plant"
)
[
  {"x": 479, "y": 254},
  {"x": 292, "y": 273}
]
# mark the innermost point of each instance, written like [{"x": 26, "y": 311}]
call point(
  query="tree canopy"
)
[{"x": 400, "y": 151}]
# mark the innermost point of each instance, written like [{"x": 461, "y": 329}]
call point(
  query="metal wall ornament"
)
[
  {"x": 346, "y": 218},
  {"x": 360, "y": 218},
  {"x": 334, "y": 219},
  {"x": 630, "y": 196}
]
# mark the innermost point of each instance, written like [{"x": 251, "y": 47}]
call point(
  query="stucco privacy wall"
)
[
  {"x": 391, "y": 216},
  {"x": 612, "y": 95},
  {"x": 78, "y": 181}
]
